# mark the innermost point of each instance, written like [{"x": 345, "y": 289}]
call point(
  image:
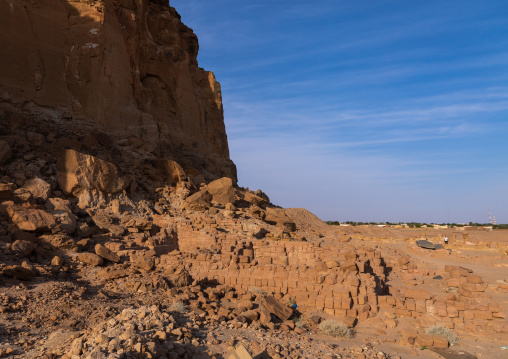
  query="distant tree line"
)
[{"x": 419, "y": 225}]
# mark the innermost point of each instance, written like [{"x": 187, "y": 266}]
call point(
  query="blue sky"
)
[{"x": 364, "y": 110}]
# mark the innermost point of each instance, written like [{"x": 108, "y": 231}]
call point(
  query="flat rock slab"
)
[
  {"x": 453, "y": 354},
  {"x": 425, "y": 244}
]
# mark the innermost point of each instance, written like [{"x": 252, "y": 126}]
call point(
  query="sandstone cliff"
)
[{"x": 125, "y": 67}]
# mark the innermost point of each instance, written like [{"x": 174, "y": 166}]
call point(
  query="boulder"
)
[
  {"x": 276, "y": 216},
  {"x": 5, "y": 152},
  {"x": 19, "y": 272},
  {"x": 253, "y": 199},
  {"x": 250, "y": 315},
  {"x": 58, "y": 204},
  {"x": 23, "y": 195},
  {"x": 199, "y": 201},
  {"x": 23, "y": 248},
  {"x": 33, "y": 220},
  {"x": 106, "y": 253},
  {"x": 40, "y": 189},
  {"x": 91, "y": 259},
  {"x": 66, "y": 220},
  {"x": 58, "y": 242},
  {"x": 180, "y": 278},
  {"x": 143, "y": 262},
  {"x": 272, "y": 305},
  {"x": 222, "y": 190},
  {"x": 76, "y": 170},
  {"x": 256, "y": 212}
]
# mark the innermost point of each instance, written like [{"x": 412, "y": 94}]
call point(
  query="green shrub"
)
[
  {"x": 444, "y": 332},
  {"x": 335, "y": 329}
]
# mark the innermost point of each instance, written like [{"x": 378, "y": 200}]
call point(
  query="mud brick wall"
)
[
  {"x": 344, "y": 282},
  {"x": 341, "y": 282},
  {"x": 470, "y": 308}
]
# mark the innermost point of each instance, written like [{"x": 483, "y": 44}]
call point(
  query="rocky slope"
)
[
  {"x": 117, "y": 239},
  {"x": 126, "y": 67}
]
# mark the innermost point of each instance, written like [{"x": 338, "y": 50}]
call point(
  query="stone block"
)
[
  {"x": 417, "y": 294},
  {"x": 424, "y": 340},
  {"x": 475, "y": 279},
  {"x": 483, "y": 315},
  {"x": 439, "y": 341}
]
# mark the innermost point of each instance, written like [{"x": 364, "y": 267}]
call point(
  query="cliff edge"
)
[{"x": 127, "y": 68}]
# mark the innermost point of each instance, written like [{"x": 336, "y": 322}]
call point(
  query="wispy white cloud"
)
[{"x": 363, "y": 109}]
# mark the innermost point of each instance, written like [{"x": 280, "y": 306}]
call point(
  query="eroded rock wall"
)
[{"x": 127, "y": 67}]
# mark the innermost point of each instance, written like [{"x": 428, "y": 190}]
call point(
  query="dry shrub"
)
[
  {"x": 178, "y": 307},
  {"x": 335, "y": 329},
  {"x": 444, "y": 332}
]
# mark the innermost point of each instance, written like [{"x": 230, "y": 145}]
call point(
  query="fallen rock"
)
[
  {"x": 33, "y": 220},
  {"x": 276, "y": 308},
  {"x": 91, "y": 259},
  {"x": 180, "y": 278},
  {"x": 58, "y": 242},
  {"x": 105, "y": 253},
  {"x": 143, "y": 262},
  {"x": 222, "y": 190},
  {"x": 254, "y": 200},
  {"x": 76, "y": 170},
  {"x": 23, "y": 195},
  {"x": 250, "y": 315},
  {"x": 58, "y": 204},
  {"x": 199, "y": 201},
  {"x": 19, "y": 272},
  {"x": 66, "y": 221},
  {"x": 57, "y": 261},
  {"x": 40, "y": 190},
  {"x": 23, "y": 248}
]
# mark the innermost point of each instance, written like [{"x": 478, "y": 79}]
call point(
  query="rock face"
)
[
  {"x": 128, "y": 67},
  {"x": 77, "y": 171}
]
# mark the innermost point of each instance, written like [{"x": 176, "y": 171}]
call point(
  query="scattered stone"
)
[
  {"x": 33, "y": 220},
  {"x": 23, "y": 248},
  {"x": 107, "y": 254},
  {"x": 91, "y": 259},
  {"x": 40, "y": 190}
]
